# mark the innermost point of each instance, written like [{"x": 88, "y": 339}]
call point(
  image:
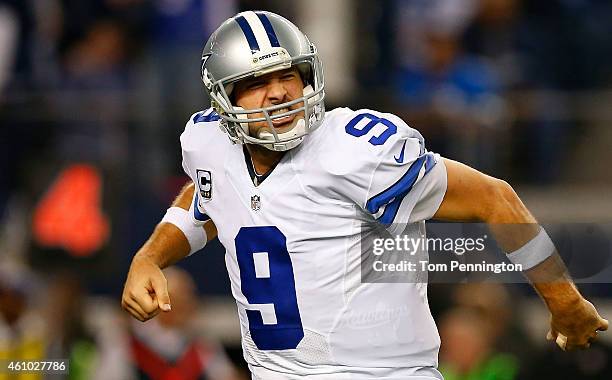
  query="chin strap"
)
[{"x": 299, "y": 129}]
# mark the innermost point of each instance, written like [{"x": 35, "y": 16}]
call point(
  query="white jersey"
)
[{"x": 293, "y": 245}]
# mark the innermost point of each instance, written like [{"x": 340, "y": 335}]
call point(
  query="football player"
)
[{"x": 290, "y": 190}]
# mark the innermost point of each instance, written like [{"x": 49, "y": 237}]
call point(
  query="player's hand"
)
[
  {"x": 146, "y": 290},
  {"x": 576, "y": 326}
]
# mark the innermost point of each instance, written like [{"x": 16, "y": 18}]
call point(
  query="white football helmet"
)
[{"x": 251, "y": 44}]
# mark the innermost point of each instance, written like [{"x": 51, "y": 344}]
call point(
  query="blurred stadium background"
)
[{"x": 94, "y": 94}]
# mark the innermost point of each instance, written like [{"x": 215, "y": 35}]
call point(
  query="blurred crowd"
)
[
  {"x": 93, "y": 97},
  {"x": 490, "y": 82},
  {"x": 50, "y": 317}
]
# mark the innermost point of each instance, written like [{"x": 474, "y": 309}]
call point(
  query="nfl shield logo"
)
[{"x": 255, "y": 202}]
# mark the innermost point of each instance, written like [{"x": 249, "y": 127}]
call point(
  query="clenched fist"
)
[{"x": 146, "y": 290}]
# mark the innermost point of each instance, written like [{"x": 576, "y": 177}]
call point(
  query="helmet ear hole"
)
[{"x": 305, "y": 73}]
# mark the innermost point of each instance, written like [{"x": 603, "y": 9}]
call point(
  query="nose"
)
[{"x": 276, "y": 92}]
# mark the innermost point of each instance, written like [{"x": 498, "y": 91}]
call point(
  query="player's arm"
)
[
  {"x": 471, "y": 195},
  {"x": 145, "y": 292}
]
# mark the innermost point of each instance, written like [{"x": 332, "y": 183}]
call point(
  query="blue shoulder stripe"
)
[
  {"x": 393, "y": 196},
  {"x": 206, "y": 116},
  {"x": 403, "y": 184}
]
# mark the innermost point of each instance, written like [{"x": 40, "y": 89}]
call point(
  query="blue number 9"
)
[
  {"x": 267, "y": 282},
  {"x": 375, "y": 140}
]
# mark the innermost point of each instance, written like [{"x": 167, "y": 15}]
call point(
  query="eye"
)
[
  {"x": 254, "y": 85},
  {"x": 288, "y": 76}
]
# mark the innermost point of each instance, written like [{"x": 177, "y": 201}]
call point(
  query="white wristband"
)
[
  {"x": 195, "y": 234},
  {"x": 534, "y": 252}
]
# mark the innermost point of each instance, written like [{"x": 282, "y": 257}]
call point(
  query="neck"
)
[{"x": 263, "y": 159}]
